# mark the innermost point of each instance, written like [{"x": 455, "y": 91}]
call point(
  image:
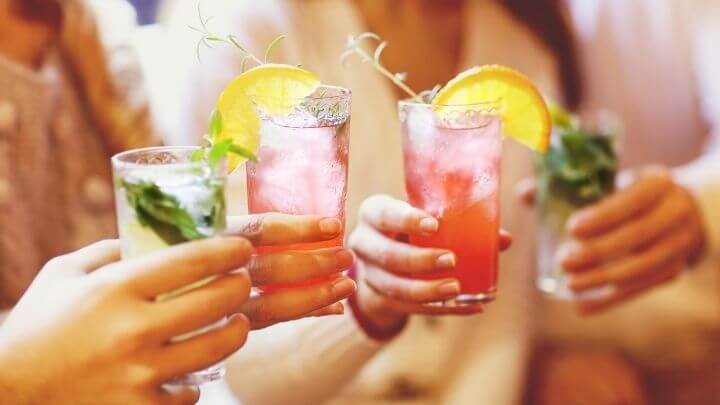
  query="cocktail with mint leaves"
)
[
  {"x": 579, "y": 169},
  {"x": 166, "y": 196}
]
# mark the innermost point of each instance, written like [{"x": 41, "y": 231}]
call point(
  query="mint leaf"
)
[
  {"x": 239, "y": 150},
  {"x": 217, "y": 150},
  {"x": 216, "y": 124},
  {"x": 161, "y": 212},
  {"x": 198, "y": 155},
  {"x": 580, "y": 166}
]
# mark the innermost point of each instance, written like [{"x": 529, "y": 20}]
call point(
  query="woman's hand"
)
[
  {"x": 640, "y": 237},
  {"x": 317, "y": 299},
  {"x": 29, "y": 29},
  {"x": 89, "y": 329},
  {"x": 387, "y": 294}
]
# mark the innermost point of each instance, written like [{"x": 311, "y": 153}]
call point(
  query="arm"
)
[
  {"x": 702, "y": 176},
  {"x": 24, "y": 99},
  {"x": 96, "y": 42},
  {"x": 303, "y": 362}
]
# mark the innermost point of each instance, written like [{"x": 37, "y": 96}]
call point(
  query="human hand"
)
[
  {"x": 290, "y": 267},
  {"x": 29, "y": 29},
  {"x": 640, "y": 237},
  {"x": 89, "y": 330},
  {"x": 386, "y": 293}
]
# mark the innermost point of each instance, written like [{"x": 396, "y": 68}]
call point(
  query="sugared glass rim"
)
[
  {"x": 491, "y": 107},
  {"x": 119, "y": 163},
  {"x": 344, "y": 93}
]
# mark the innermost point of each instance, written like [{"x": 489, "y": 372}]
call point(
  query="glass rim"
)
[
  {"x": 490, "y": 106},
  {"x": 119, "y": 163},
  {"x": 344, "y": 93}
]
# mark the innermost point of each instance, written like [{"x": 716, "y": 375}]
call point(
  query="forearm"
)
[{"x": 304, "y": 362}]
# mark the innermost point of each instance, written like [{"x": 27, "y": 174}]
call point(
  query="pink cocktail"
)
[
  {"x": 452, "y": 171},
  {"x": 303, "y": 163}
]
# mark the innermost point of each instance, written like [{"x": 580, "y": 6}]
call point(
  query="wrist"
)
[{"x": 376, "y": 320}]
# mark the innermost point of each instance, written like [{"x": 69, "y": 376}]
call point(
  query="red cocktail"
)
[
  {"x": 452, "y": 171},
  {"x": 303, "y": 162}
]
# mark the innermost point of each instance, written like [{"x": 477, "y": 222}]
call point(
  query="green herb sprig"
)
[
  {"x": 354, "y": 46},
  {"x": 215, "y": 151},
  {"x": 580, "y": 166},
  {"x": 207, "y": 38},
  {"x": 161, "y": 212}
]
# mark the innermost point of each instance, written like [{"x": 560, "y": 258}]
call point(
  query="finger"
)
[
  {"x": 398, "y": 257},
  {"x": 297, "y": 266},
  {"x": 202, "y": 306},
  {"x": 179, "y": 395},
  {"x": 505, "y": 240},
  {"x": 638, "y": 265},
  {"x": 391, "y": 215},
  {"x": 621, "y": 206},
  {"x": 289, "y": 304},
  {"x": 283, "y": 229},
  {"x": 410, "y": 290},
  {"x": 626, "y": 291},
  {"x": 335, "y": 309},
  {"x": 201, "y": 351},
  {"x": 670, "y": 212},
  {"x": 180, "y": 265},
  {"x": 94, "y": 256},
  {"x": 434, "y": 309},
  {"x": 525, "y": 191}
]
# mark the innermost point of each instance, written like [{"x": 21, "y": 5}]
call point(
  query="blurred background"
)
[{"x": 83, "y": 79}]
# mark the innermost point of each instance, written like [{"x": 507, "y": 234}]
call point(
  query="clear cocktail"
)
[
  {"x": 303, "y": 163},
  {"x": 578, "y": 170},
  {"x": 164, "y": 198},
  {"x": 452, "y": 171}
]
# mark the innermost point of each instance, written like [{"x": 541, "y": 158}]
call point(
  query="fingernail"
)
[
  {"x": 449, "y": 289},
  {"x": 338, "y": 309},
  {"x": 567, "y": 254},
  {"x": 330, "y": 226},
  {"x": 344, "y": 259},
  {"x": 445, "y": 261},
  {"x": 429, "y": 225},
  {"x": 343, "y": 287}
]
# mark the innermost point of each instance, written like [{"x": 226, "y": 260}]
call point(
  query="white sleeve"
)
[
  {"x": 702, "y": 176},
  {"x": 301, "y": 362}
]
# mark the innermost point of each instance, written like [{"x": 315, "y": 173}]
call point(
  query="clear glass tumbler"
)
[
  {"x": 302, "y": 165},
  {"x": 452, "y": 171},
  {"x": 164, "y": 198},
  {"x": 578, "y": 170}
]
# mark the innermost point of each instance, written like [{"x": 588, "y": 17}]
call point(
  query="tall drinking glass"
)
[
  {"x": 578, "y": 170},
  {"x": 452, "y": 171},
  {"x": 303, "y": 163},
  {"x": 164, "y": 198}
]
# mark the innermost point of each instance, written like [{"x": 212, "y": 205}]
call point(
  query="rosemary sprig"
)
[
  {"x": 354, "y": 46},
  {"x": 207, "y": 37}
]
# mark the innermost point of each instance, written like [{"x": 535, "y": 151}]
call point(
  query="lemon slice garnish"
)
[
  {"x": 522, "y": 108},
  {"x": 273, "y": 88}
]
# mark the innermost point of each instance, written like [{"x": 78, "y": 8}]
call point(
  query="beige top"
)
[
  {"x": 458, "y": 360},
  {"x": 58, "y": 128}
]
